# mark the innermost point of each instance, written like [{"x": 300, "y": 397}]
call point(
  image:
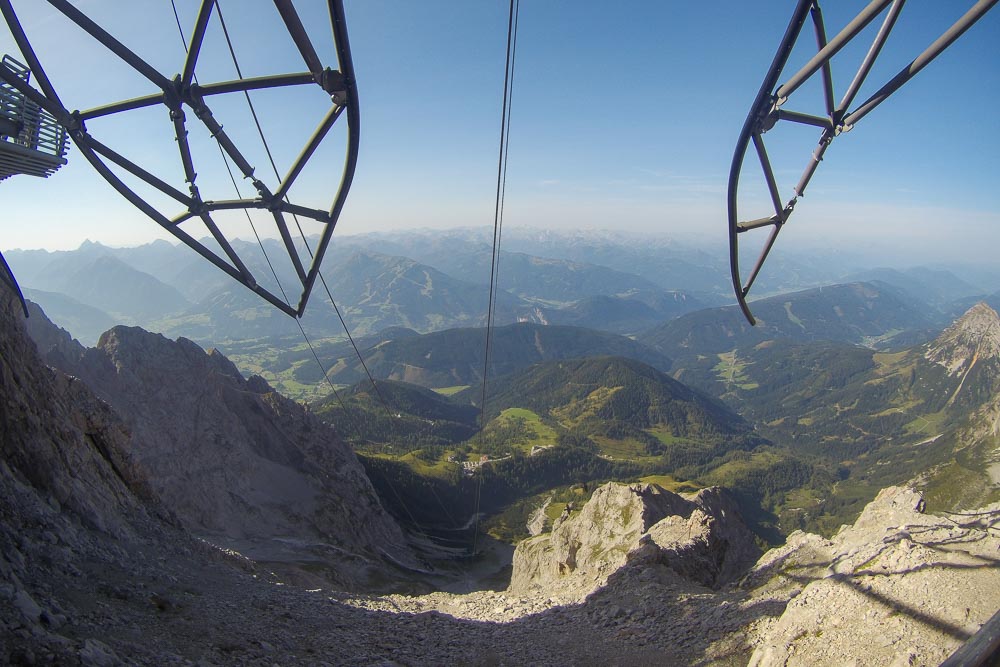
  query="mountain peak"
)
[{"x": 974, "y": 336}]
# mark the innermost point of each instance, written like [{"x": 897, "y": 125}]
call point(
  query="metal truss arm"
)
[
  {"x": 181, "y": 94},
  {"x": 768, "y": 110}
]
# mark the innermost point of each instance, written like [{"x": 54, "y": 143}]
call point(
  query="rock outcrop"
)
[
  {"x": 969, "y": 352},
  {"x": 899, "y": 587},
  {"x": 700, "y": 536},
  {"x": 235, "y": 461},
  {"x": 60, "y": 442}
]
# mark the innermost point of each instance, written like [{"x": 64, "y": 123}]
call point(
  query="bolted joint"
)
[
  {"x": 332, "y": 81},
  {"x": 73, "y": 124},
  {"x": 197, "y": 102},
  {"x": 765, "y": 116},
  {"x": 264, "y": 193}
]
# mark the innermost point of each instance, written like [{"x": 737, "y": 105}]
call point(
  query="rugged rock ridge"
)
[
  {"x": 59, "y": 440},
  {"x": 974, "y": 336},
  {"x": 237, "y": 462},
  {"x": 70, "y": 495},
  {"x": 700, "y": 536},
  {"x": 898, "y": 587},
  {"x": 969, "y": 351}
]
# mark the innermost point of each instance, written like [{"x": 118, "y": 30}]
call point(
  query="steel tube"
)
[
  {"x": 197, "y": 38},
  {"x": 930, "y": 53},
  {"x": 298, "y": 33},
  {"x": 307, "y": 152},
  {"x": 220, "y": 238},
  {"x": 870, "y": 57},
  {"x": 817, "y": 17},
  {"x": 763, "y": 98},
  {"x": 112, "y": 44},
  {"x": 338, "y": 23},
  {"x": 139, "y": 172},
  {"x": 293, "y": 254},
  {"x": 817, "y": 157},
  {"x": 31, "y": 60},
  {"x": 59, "y": 113},
  {"x": 255, "y": 83},
  {"x": 758, "y": 223},
  {"x": 765, "y": 164},
  {"x": 805, "y": 119},
  {"x": 831, "y": 49}
]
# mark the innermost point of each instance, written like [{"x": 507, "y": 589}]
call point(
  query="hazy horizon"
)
[{"x": 638, "y": 138}]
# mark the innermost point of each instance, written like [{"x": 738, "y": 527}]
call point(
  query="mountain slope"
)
[
  {"x": 100, "y": 280},
  {"x": 622, "y": 315},
  {"x": 411, "y": 417},
  {"x": 613, "y": 394},
  {"x": 86, "y": 322},
  {"x": 936, "y": 287},
  {"x": 456, "y": 356},
  {"x": 373, "y": 292},
  {"x": 236, "y": 461},
  {"x": 61, "y": 442},
  {"x": 931, "y": 411},
  {"x": 852, "y": 313}
]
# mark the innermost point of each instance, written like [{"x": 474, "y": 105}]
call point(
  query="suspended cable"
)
[
  {"x": 500, "y": 196},
  {"x": 298, "y": 225},
  {"x": 253, "y": 227},
  {"x": 347, "y": 413},
  {"x": 508, "y": 94}
]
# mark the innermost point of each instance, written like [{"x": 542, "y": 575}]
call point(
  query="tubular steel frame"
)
[
  {"x": 183, "y": 91},
  {"x": 767, "y": 111}
]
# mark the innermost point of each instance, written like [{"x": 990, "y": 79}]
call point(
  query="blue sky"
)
[{"x": 625, "y": 116}]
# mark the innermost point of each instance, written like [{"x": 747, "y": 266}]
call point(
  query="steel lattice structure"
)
[
  {"x": 183, "y": 93},
  {"x": 769, "y": 109}
]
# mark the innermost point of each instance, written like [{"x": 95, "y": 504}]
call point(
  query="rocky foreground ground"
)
[{"x": 898, "y": 588}]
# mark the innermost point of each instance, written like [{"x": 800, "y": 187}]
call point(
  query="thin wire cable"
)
[
  {"x": 298, "y": 225},
  {"x": 508, "y": 90},
  {"x": 253, "y": 227},
  {"x": 503, "y": 186},
  {"x": 347, "y": 413},
  {"x": 498, "y": 207}
]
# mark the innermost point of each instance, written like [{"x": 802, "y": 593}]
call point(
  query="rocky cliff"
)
[
  {"x": 899, "y": 587},
  {"x": 60, "y": 443},
  {"x": 71, "y": 496},
  {"x": 700, "y": 536},
  {"x": 969, "y": 351},
  {"x": 235, "y": 461}
]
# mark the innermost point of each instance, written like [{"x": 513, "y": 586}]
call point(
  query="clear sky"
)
[{"x": 625, "y": 116}]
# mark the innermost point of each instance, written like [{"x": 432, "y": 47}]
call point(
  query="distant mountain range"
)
[
  {"x": 456, "y": 357},
  {"x": 168, "y": 289},
  {"x": 852, "y": 313},
  {"x": 664, "y": 294}
]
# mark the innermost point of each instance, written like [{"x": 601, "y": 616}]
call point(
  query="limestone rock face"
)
[
  {"x": 237, "y": 462},
  {"x": 701, "y": 537},
  {"x": 59, "y": 439},
  {"x": 973, "y": 337},
  {"x": 898, "y": 587}
]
